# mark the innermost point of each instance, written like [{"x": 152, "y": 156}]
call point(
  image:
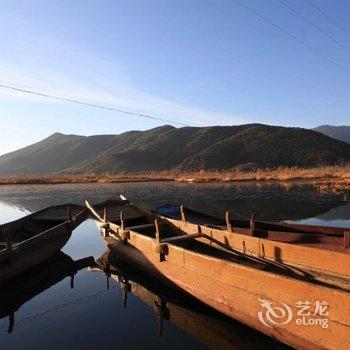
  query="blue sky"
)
[{"x": 204, "y": 62}]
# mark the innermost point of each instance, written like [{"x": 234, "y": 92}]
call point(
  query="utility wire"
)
[
  {"x": 292, "y": 36},
  {"x": 324, "y": 14},
  {"x": 31, "y": 92},
  {"x": 313, "y": 25}
]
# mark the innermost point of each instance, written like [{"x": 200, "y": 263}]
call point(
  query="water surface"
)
[{"x": 90, "y": 316}]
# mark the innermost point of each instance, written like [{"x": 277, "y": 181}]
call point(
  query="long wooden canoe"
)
[
  {"x": 208, "y": 326},
  {"x": 260, "y": 294},
  {"x": 24, "y": 287},
  {"x": 278, "y": 231},
  {"x": 34, "y": 238},
  {"x": 316, "y": 248}
]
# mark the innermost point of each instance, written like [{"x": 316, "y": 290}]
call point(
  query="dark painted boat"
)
[
  {"x": 234, "y": 283},
  {"x": 34, "y": 238},
  {"x": 27, "y": 285}
]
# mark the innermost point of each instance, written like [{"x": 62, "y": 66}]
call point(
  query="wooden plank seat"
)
[{"x": 182, "y": 238}]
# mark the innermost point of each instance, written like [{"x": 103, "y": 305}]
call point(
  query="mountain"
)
[
  {"x": 341, "y": 133},
  {"x": 182, "y": 149}
]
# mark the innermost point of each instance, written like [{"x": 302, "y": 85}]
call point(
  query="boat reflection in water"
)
[
  {"x": 207, "y": 325},
  {"x": 19, "y": 290}
]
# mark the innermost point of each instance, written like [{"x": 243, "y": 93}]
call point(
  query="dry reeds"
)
[{"x": 329, "y": 178}]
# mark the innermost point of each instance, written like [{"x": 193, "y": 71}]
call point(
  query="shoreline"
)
[{"x": 325, "y": 179}]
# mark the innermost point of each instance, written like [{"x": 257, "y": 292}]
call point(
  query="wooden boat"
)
[
  {"x": 278, "y": 231},
  {"x": 316, "y": 248},
  {"x": 208, "y": 326},
  {"x": 24, "y": 287},
  {"x": 263, "y": 295},
  {"x": 34, "y": 238}
]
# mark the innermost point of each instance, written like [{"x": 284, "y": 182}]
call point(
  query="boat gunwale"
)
[
  {"x": 115, "y": 228},
  {"x": 40, "y": 211},
  {"x": 293, "y": 249},
  {"x": 16, "y": 247},
  {"x": 138, "y": 248},
  {"x": 298, "y": 228},
  {"x": 318, "y": 291}
]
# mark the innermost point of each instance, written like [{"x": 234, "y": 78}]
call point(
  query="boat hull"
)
[
  {"x": 33, "y": 251},
  {"x": 235, "y": 290},
  {"x": 208, "y": 326}
]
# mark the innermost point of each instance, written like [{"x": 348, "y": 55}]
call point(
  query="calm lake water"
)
[{"x": 90, "y": 316}]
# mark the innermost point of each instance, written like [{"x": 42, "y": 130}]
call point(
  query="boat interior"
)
[
  {"x": 334, "y": 238},
  {"x": 33, "y": 224},
  {"x": 131, "y": 218}
]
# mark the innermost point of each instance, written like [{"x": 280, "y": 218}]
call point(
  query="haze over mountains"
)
[
  {"x": 183, "y": 149},
  {"x": 341, "y": 133}
]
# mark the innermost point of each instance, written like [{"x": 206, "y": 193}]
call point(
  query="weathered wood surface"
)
[
  {"x": 201, "y": 322},
  {"x": 269, "y": 226},
  {"x": 34, "y": 241},
  {"x": 304, "y": 255},
  {"x": 235, "y": 289}
]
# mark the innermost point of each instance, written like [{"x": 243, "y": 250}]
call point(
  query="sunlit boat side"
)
[
  {"x": 205, "y": 324},
  {"x": 320, "y": 250},
  {"x": 230, "y": 282}
]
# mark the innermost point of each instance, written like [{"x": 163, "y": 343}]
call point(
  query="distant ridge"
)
[
  {"x": 341, "y": 133},
  {"x": 184, "y": 149}
]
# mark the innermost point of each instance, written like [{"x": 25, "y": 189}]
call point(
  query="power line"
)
[
  {"x": 71, "y": 100},
  {"x": 313, "y": 25},
  {"x": 292, "y": 36},
  {"x": 324, "y": 14}
]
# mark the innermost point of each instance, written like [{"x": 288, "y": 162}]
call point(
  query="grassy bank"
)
[
  {"x": 84, "y": 178},
  {"x": 326, "y": 179},
  {"x": 280, "y": 174}
]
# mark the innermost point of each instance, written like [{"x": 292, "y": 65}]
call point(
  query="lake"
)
[{"x": 88, "y": 316}]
